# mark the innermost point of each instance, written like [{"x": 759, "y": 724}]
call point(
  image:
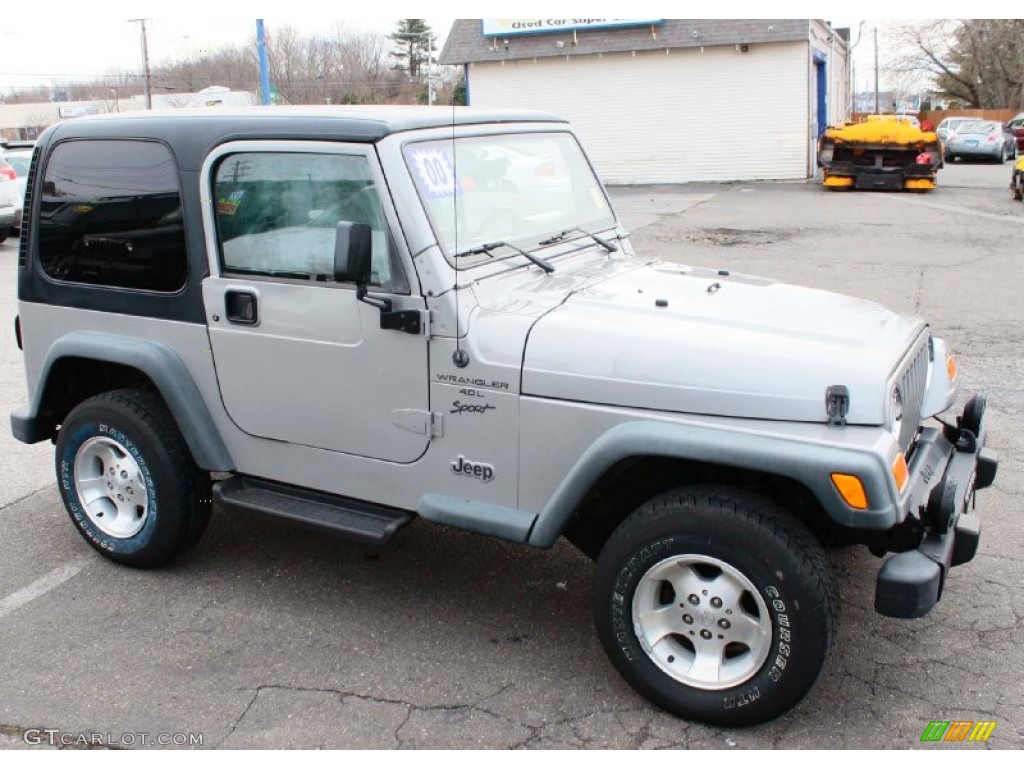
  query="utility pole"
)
[
  {"x": 853, "y": 71},
  {"x": 261, "y": 48},
  {"x": 148, "y": 85},
  {"x": 876, "y": 71},
  {"x": 430, "y": 55}
]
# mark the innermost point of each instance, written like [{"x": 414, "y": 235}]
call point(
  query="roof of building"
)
[{"x": 466, "y": 41}]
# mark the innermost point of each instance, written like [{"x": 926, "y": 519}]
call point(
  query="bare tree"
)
[{"x": 974, "y": 62}]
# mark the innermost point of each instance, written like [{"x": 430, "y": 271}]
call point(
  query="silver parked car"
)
[
  {"x": 948, "y": 126},
  {"x": 13, "y": 190},
  {"x": 7, "y": 212},
  {"x": 987, "y": 139}
]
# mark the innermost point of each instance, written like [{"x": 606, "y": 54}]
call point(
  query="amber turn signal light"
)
[
  {"x": 851, "y": 489},
  {"x": 900, "y": 472}
]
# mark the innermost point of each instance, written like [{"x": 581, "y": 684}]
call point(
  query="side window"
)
[
  {"x": 277, "y": 214},
  {"x": 110, "y": 214}
]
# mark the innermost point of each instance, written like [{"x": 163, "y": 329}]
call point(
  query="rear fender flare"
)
[{"x": 164, "y": 368}]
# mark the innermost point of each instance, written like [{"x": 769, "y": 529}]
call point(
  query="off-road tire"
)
[
  {"x": 776, "y": 555},
  {"x": 176, "y": 495}
]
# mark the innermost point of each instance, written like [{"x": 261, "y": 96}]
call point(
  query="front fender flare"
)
[{"x": 806, "y": 461}]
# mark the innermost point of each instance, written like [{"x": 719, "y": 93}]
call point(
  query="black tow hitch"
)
[{"x": 910, "y": 583}]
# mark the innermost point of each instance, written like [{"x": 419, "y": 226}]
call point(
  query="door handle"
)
[{"x": 241, "y": 307}]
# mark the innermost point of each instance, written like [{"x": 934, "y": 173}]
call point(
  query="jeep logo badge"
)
[{"x": 481, "y": 471}]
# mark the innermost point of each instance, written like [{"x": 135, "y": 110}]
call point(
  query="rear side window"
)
[{"x": 110, "y": 214}]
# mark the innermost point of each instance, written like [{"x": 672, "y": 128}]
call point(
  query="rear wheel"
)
[
  {"x": 128, "y": 480},
  {"x": 3, "y": 234},
  {"x": 716, "y": 606}
]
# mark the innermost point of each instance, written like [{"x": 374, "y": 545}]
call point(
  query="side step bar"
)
[{"x": 347, "y": 518}]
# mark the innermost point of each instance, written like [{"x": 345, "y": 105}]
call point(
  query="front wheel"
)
[
  {"x": 128, "y": 480},
  {"x": 716, "y": 606}
]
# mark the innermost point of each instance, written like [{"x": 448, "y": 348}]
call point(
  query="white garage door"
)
[{"x": 720, "y": 115}]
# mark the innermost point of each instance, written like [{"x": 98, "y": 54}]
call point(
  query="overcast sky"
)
[
  {"x": 39, "y": 52},
  {"x": 34, "y": 52},
  {"x": 55, "y": 45}
]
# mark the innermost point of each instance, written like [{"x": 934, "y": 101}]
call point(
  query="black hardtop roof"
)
[{"x": 192, "y": 133}]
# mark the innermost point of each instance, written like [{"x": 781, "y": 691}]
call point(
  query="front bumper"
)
[{"x": 910, "y": 583}]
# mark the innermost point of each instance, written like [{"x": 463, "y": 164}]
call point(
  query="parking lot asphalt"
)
[{"x": 265, "y": 636}]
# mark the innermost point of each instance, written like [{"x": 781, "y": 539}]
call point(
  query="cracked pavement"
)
[{"x": 269, "y": 637}]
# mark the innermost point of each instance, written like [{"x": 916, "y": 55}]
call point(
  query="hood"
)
[{"x": 674, "y": 338}]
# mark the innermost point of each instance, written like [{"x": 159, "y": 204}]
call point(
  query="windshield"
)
[
  {"x": 516, "y": 188},
  {"x": 976, "y": 128}
]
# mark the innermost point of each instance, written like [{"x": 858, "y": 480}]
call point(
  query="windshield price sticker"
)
[{"x": 434, "y": 172}]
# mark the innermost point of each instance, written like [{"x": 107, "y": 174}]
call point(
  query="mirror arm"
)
[
  {"x": 384, "y": 305},
  {"x": 405, "y": 320}
]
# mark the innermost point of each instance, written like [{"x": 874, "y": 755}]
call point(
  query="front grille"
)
[
  {"x": 26, "y": 213},
  {"x": 912, "y": 379}
]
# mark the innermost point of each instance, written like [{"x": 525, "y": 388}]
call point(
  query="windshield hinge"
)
[{"x": 421, "y": 422}]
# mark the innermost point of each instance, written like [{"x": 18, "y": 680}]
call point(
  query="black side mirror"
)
[
  {"x": 352, "y": 253},
  {"x": 353, "y": 247}
]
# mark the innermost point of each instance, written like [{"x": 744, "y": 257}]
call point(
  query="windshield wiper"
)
[
  {"x": 608, "y": 246},
  {"x": 489, "y": 247}
]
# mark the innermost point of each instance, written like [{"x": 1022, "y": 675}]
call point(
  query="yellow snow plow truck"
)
[{"x": 883, "y": 152}]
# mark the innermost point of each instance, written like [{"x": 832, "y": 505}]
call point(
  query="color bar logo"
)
[{"x": 958, "y": 730}]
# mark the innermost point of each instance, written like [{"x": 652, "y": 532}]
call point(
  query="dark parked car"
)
[{"x": 1016, "y": 127}]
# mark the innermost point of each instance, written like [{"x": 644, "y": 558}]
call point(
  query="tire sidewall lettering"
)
[{"x": 621, "y": 597}]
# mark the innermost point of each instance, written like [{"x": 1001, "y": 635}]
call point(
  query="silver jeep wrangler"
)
[{"x": 350, "y": 318}]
